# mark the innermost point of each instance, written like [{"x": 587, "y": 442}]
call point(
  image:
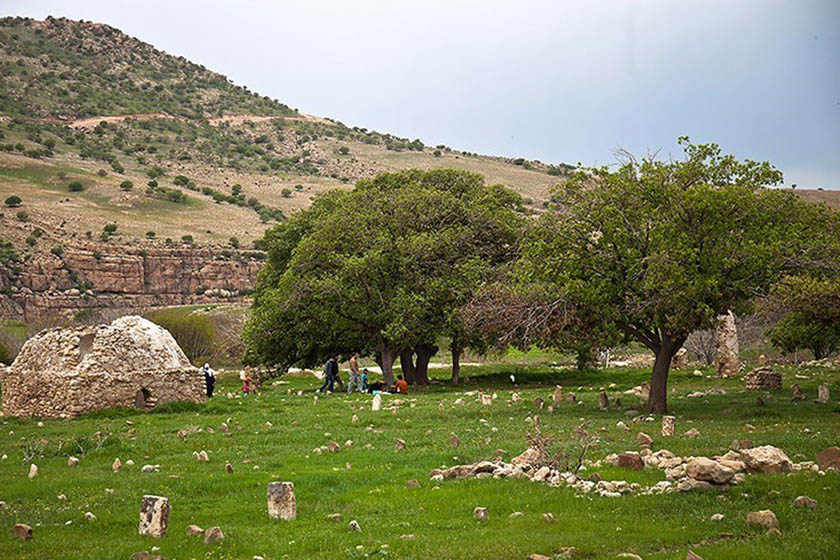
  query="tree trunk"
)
[
  {"x": 455, "y": 348},
  {"x": 424, "y": 354},
  {"x": 386, "y": 358},
  {"x": 658, "y": 398},
  {"x": 407, "y": 365}
]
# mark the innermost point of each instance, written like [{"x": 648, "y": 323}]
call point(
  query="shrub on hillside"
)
[
  {"x": 75, "y": 186},
  {"x": 13, "y": 201},
  {"x": 126, "y": 185}
]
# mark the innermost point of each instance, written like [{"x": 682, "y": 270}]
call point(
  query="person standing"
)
[
  {"x": 355, "y": 380},
  {"x": 330, "y": 374},
  {"x": 209, "y": 379}
]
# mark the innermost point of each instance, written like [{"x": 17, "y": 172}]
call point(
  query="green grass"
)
[{"x": 373, "y": 490}]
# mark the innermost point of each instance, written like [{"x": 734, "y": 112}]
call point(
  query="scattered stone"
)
[
  {"x": 149, "y": 468},
  {"x": 281, "y": 501},
  {"x": 536, "y": 556},
  {"x": 354, "y": 419},
  {"x": 213, "y": 535},
  {"x": 805, "y": 501},
  {"x": 61, "y": 498},
  {"x": 765, "y": 518},
  {"x": 228, "y": 467},
  {"x": 33, "y": 471},
  {"x": 453, "y": 440},
  {"x": 22, "y": 531},
  {"x": 680, "y": 359},
  {"x": 823, "y": 394},
  {"x": 399, "y": 444},
  {"x": 480, "y": 514},
  {"x": 549, "y": 517},
  {"x": 621, "y": 425},
  {"x": 194, "y": 530},
  {"x": 333, "y": 447},
  {"x": 335, "y": 517},
  {"x": 412, "y": 483},
  {"x": 129, "y": 463},
  {"x": 797, "y": 395},
  {"x": 717, "y": 517},
  {"x": 692, "y": 556},
  {"x": 154, "y": 516},
  {"x": 539, "y": 403},
  {"x": 117, "y": 465},
  {"x": 354, "y": 526},
  {"x": 829, "y": 458},
  {"x": 515, "y": 514},
  {"x": 528, "y": 457},
  {"x": 629, "y": 556},
  {"x": 703, "y": 468},
  {"x": 557, "y": 397},
  {"x": 90, "y": 516},
  {"x": 201, "y": 456},
  {"x": 692, "y": 433},
  {"x": 142, "y": 555},
  {"x": 644, "y": 440},
  {"x": 72, "y": 462},
  {"x": 766, "y": 459}
]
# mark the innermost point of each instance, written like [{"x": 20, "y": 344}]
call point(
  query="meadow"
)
[{"x": 273, "y": 436}]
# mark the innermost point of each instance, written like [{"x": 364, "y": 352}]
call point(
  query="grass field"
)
[{"x": 367, "y": 481}]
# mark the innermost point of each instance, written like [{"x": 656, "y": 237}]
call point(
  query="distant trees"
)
[
  {"x": 382, "y": 269},
  {"x": 812, "y": 319}
]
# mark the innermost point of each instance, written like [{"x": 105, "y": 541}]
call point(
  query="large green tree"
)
[
  {"x": 380, "y": 269},
  {"x": 656, "y": 249},
  {"x": 812, "y": 314}
]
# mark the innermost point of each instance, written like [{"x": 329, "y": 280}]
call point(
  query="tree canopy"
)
[
  {"x": 812, "y": 314},
  {"x": 381, "y": 268},
  {"x": 657, "y": 249}
]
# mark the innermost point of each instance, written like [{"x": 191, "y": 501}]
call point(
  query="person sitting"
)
[
  {"x": 402, "y": 386},
  {"x": 376, "y": 387}
]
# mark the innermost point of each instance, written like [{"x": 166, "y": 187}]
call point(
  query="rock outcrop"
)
[{"x": 124, "y": 277}]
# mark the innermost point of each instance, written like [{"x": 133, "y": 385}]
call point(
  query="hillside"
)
[{"x": 109, "y": 146}]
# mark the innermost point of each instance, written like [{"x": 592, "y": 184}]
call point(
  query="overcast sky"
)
[{"x": 558, "y": 81}]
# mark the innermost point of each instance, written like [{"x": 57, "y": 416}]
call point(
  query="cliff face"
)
[{"x": 94, "y": 276}]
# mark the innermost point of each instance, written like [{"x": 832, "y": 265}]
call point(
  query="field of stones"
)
[{"x": 487, "y": 469}]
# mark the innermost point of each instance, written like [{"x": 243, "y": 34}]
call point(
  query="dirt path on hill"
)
[{"x": 91, "y": 122}]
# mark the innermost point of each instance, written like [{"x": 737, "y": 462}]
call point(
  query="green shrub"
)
[
  {"x": 75, "y": 186},
  {"x": 344, "y": 150},
  {"x": 150, "y": 235},
  {"x": 234, "y": 242},
  {"x": 13, "y": 201},
  {"x": 298, "y": 188},
  {"x": 181, "y": 180},
  {"x": 58, "y": 250},
  {"x": 187, "y": 239},
  {"x": 31, "y": 240},
  {"x": 110, "y": 229},
  {"x": 126, "y": 185},
  {"x": 22, "y": 216},
  {"x": 102, "y": 173},
  {"x": 193, "y": 332},
  {"x": 286, "y": 193}
]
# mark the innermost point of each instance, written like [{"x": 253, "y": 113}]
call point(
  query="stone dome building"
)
[{"x": 130, "y": 362}]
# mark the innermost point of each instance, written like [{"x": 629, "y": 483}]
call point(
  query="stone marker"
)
[
  {"x": 668, "y": 426},
  {"x": 193, "y": 530},
  {"x": 354, "y": 526},
  {"x": 557, "y": 397},
  {"x": 727, "y": 362},
  {"x": 644, "y": 440},
  {"x": 680, "y": 359},
  {"x": 213, "y": 535},
  {"x": 399, "y": 444},
  {"x": 377, "y": 403},
  {"x": 603, "y": 400},
  {"x": 117, "y": 465},
  {"x": 797, "y": 395},
  {"x": 281, "y": 501},
  {"x": 823, "y": 394},
  {"x": 33, "y": 470},
  {"x": 228, "y": 467},
  {"x": 539, "y": 403},
  {"x": 480, "y": 514},
  {"x": 154, "y": 516},
  {"x": 72, "y": 462},
  {"x": 22, "y": 531},
  {"x": 763, "y": 378}
]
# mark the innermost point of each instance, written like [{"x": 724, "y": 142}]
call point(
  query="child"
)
[
  {"x": 246, "y": 385},
  {"x": 363, "y": 379}
]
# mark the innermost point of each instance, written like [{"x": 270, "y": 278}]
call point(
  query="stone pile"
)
[
  {"x": 130, "y": 362},
  {"x": 763, "y": 379}
]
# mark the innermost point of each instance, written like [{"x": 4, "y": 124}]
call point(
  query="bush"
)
[
  {"x": 344, "y": 150},
  {"x": 187, "y": 239},
  {"x": 150, "y": 235},
  {"x": 286, "y": 193},
  {"x": 126, "y": 185},
  {"x": 298, "y": 188},
  {"x": 117, "y": 167},
  {"x": 22, "y": 216},
  {"x": 13, "y": 201},
  {"x": 31, "y": 240},
  {"x": 181, "y": 180},
  {"x": 102, "y": 173},
  {"x": 192, "y": 331},
  {"x": 110, "y": 229},
  {"x": 436, "y": 153},
  {"x": 234, "y": 242},
  {"x": 58, "y": 250},
  {"x": 75, "y": 186}
]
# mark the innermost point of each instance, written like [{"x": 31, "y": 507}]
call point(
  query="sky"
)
[{"x": 557, "y": 81}]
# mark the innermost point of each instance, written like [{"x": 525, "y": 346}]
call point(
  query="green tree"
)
[
  {"x": 812, "y": 319},
  {"x": 126, "y": 185},
  {"x": 380, "y": 269},
  {"x": 656, "y": 249},
  {"x": 13, "y": 201}
]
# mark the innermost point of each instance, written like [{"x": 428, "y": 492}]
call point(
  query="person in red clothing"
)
[{"x": 402, "y": 386}]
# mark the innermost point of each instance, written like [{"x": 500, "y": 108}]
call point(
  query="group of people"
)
[{"x": 358, "y": 379}]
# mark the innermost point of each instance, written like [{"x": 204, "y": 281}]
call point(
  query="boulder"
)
[
  {"x": 766, "y": 459},
  {"x": 193, "y": 530},
  {"x": 354, "y": 526},
  {"x": 644, "y": 440},
  {"x": 527, "y": 457},
  {"x": 703, "y": 468},
  {"x": 22, "y": 531},
  {"x": 154, "y": 516},
  {"x": 805, "y": 501},
  {"x": 829, "y": 458},
  {"x": 630, "y": 461},
  {"x": 213, "y": 535},
  {"x": 480, "y": 514},
  {"x": 72, "y": 462}
]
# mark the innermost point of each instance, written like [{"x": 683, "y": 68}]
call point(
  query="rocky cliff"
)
[{"x": 88, "y": 276}]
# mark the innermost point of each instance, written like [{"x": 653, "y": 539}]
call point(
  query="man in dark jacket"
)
[{"x": 330, "y": 375}]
